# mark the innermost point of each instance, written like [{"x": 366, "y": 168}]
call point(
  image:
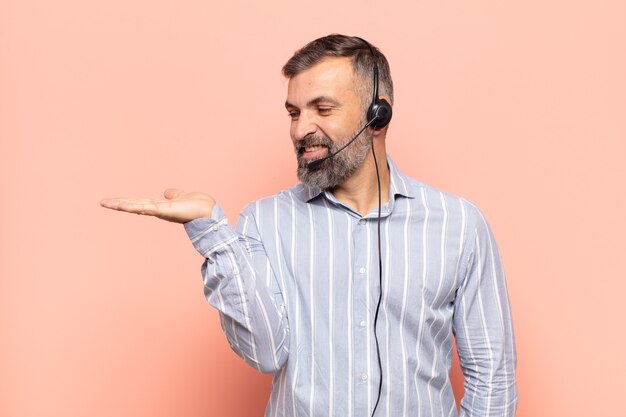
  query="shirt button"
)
[
  {"x": 363, "y": 323},
  {"x": 362, "y": 270},
  {"x": 362, "y": 221},
  {"x": 215, "y": 227},
  {"x": 363, "y": 376}
]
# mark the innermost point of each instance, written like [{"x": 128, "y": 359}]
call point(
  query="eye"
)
[
  {"x": 324, "y": 110},
  {"x": 293, "y": 114}
]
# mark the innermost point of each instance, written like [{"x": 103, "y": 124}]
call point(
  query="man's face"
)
[{"x": 326, "y": 111}]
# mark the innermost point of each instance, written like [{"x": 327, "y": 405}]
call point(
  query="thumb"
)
[{"x": 172, "y": 193}]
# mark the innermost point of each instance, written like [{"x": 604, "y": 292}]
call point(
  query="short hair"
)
[{"x": 336, "y": 45}]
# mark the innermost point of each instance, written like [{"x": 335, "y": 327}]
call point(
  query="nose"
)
[{"x": 304, "y": 125}]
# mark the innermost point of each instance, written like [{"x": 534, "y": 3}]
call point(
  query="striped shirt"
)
[{"x": 297, "y": 286}]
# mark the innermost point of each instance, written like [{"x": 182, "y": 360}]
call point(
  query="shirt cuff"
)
[{"x": 209, "y": 234}]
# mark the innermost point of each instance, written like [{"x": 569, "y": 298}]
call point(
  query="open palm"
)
[{"x": 177, "y": 206}]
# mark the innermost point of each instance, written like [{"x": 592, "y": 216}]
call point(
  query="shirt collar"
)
[{"x": 399, "y": 186}]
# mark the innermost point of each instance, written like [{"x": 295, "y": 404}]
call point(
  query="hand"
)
[{"x": 178, "y": 206}]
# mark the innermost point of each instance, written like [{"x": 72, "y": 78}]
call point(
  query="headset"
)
[
  {"x": 378, "y": 114},
  {"x": 379, "y": 110}
]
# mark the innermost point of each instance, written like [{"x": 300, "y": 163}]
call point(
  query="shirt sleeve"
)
[
  {"x": 250, "y": 307},
  {"x": 483, "y": 329}
]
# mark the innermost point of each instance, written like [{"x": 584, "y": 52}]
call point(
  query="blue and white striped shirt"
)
[{"x": 297, "y": 286}]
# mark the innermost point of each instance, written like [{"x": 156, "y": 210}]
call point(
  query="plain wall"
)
[{"x": 517, "y": 106}]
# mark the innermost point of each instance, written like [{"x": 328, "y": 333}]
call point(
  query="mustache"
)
[{"x": 312, "y": 140}]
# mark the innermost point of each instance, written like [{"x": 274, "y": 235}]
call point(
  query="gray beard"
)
[{"x": 334, "y": 170}]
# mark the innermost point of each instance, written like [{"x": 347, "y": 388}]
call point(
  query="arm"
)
[
  {"x": 255, "y": 325},
  {"x": 234, "y": 272},
  {"x": 484, "y": 331}
]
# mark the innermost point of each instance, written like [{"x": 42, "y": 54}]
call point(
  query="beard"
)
[{"x": 337, "y": 169}]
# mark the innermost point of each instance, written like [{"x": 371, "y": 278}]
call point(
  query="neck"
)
[{"x": 360, "y": 191}]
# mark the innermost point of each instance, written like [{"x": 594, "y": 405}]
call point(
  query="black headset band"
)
[{"x": 379, "y": 111}]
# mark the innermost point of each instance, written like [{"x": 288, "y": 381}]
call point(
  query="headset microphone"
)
[{"x": 317, "y": 164}]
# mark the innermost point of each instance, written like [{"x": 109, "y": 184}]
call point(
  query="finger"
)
[
  {"x": 171, "y": 193},
  {"x": 110, "y": 203},
  {"x": 115, "y": 202},
  {"x": 144, "y": 207},
  {"x": 131, "y": 205}
]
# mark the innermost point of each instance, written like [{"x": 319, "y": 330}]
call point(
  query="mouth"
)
[
  {"x": 313, "y": 152},
  {"x": 311, "y": 148}
]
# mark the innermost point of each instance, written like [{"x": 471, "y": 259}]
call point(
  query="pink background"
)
[{"x": 517, "y": 106}]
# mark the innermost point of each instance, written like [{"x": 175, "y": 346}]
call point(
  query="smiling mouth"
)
[
  {"x": 311, "y": 147},
  {"x": 313, "y": 151}
]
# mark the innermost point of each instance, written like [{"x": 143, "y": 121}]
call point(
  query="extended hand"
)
[{"x": 178, "y": 206}]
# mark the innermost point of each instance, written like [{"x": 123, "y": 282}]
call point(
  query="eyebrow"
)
[{"x": 313, "y": 102}]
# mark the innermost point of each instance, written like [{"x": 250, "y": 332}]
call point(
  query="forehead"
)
[{"x": 331, "y": 77}]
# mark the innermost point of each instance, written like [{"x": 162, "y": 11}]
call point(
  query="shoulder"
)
[
  {"x": 434, "y": 200},
  {"x": 454, "y": 214}
]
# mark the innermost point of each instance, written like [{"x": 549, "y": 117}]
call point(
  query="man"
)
[{"x": 350, "y": 304}]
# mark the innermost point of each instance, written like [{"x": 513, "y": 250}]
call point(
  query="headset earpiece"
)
[{"x": 380, "y": 111}]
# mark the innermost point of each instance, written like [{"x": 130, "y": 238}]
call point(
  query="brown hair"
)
[{"x": 336, "y": 45}]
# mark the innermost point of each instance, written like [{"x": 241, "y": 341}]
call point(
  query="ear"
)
[{"x": 387, "y": 99}]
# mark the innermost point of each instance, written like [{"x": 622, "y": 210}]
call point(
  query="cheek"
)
[{"x": 339, "y": 131}]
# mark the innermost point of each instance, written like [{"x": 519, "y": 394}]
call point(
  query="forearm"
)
[
  {"x": 486, "y": 346},
  {"x": 251, "y": 318},
  {"x": 490, "y": 386}
]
